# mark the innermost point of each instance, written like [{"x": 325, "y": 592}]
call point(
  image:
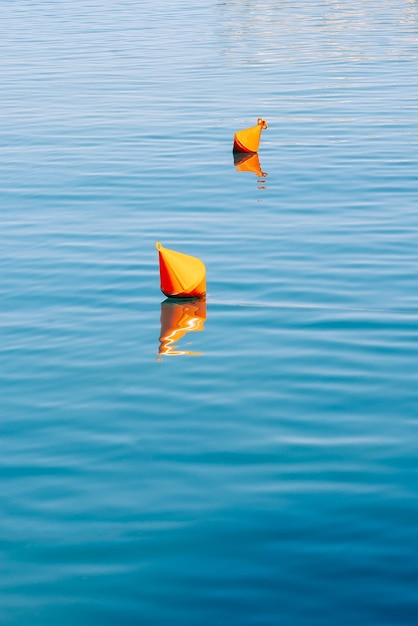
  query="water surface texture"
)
[{"x": 248, "y": 460}]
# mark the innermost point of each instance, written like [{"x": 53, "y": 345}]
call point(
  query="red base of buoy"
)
[{"x": 238, "y": 147}]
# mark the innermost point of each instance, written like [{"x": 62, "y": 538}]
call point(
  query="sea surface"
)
[{"x": 246, "y": 460}]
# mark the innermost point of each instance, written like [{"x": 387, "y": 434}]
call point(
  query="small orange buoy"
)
[
  {"x": 248, "y": 140},
  {"x": 178, "y": 319},
  {"x": 181, "y": 275}
]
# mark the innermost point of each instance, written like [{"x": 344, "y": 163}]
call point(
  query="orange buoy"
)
[
  {"x": 181, "y": 275},
  {"x": 178, "y": 319},
  {"x": 248, "y": 163},
  {"x": 248, "y": 140}
]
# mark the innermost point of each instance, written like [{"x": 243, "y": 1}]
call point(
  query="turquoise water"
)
[{"x": 260, "y": 469}]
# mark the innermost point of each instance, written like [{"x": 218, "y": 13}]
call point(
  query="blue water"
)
[{"x": 260, "y": 469}]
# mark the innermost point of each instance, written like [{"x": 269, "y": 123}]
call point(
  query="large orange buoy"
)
[
  {"x": 178, "y": 319},
  {"x": 248, "y": 140},
  {"x": 181, "y": 275}
]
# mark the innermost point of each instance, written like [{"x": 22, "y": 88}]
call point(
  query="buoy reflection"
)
[
  {"x": 179, "y": 317},
  {"x": 250, "y": 163}
]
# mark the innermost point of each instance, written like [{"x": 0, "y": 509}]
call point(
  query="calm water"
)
[{"x": 261, "y": 469}]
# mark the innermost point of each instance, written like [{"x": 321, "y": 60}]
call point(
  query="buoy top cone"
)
[
  {"x": 181, "y": 275},
  {"x": 248, "y": 140}
]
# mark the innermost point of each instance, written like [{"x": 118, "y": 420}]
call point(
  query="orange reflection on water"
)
[
  {"x": 179, "y": 317},
  {"x": 249, "y": 163}
]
